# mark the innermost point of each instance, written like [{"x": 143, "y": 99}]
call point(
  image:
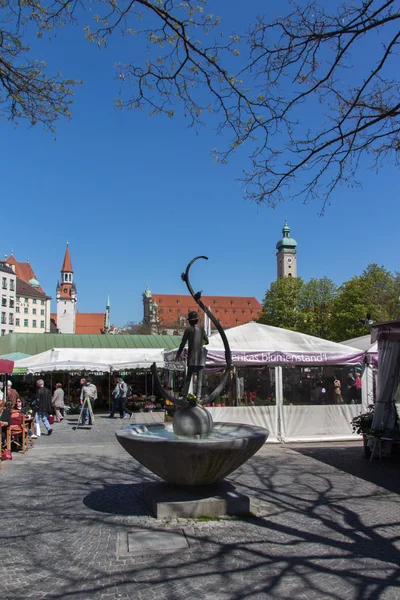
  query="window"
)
[
  {"x": 34, "y": 323},
  {"x": 34, "y": 311},
  {"x": 4, "y": 284},
  {"x": 17, "y": 298},
  {"x": 10, "y": 331},
  {"x": 42, "y": 302},
  {"x": 65, "y": 290},
  {"x": 3, "y": 332},
  {"x": 4, "y": 300},
  {"x": 17, "y": 309},
  {"x": 11, "y": 319},
  {"x": 25, "y": 322},
  {"x": 42, "y": 312},
  {"x": 3, "y": 317},
  {"x": 25, "y": 310},
  {"x": 26, "y": 300},
  {"x": 34, "y": 301},
  {"x": 17, "y": 322},
  {"x": 42, "y": 324},
  {"x": 11, "y": 303},
  {"x": 12, "y": 285}
]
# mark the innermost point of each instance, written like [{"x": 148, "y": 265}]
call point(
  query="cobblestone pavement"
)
[{"x": 326, "y": 525}]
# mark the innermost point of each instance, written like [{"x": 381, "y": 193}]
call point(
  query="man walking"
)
[
  {"x": 119, "y": 398},
  {"x": 58, "y": 402},
  {"x": 88, "y": 392},
  {"x": 43, "y": 405}
]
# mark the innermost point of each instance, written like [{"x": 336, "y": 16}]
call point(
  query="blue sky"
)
[{"x": 138, "y": 197}]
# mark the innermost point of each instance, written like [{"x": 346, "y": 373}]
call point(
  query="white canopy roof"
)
[
  {"x": 92, "y": 359},
  {"x": 256, "y": 344},
  {"x": 364, "y": 343}
]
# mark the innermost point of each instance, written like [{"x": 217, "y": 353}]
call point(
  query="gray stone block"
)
[{"x": 166, "y": 500}]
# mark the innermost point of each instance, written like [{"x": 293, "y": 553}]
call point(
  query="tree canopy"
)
[
  {"x": 310, "y": 94},
  {"x": 294, "y": 304},
  {"x": 320, "y": 308}
]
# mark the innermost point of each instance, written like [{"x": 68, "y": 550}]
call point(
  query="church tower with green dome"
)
[{"x": 286, "y": 256}]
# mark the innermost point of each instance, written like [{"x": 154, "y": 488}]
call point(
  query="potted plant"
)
[{"x": 362, "y": 425}]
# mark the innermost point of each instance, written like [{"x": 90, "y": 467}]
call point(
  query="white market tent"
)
[
  {"x": 92, "y": 359},
  {"x": 371, "y": 358},
  {"x": 256, "y": 345},
  {"x": 364, "y": 343}
]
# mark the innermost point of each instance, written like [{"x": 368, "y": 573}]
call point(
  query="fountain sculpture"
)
[{"x": 192, "y": 450}]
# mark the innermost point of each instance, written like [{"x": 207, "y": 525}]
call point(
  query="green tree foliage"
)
[
  {"x": 318, "y": 298},
  {"x": 293, "y": 304},
  {"x": 376, "y": 291},
  {"x": 282, "y": 305}
]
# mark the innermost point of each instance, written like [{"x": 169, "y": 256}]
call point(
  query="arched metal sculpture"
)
[{"x": 182, "y": 402}]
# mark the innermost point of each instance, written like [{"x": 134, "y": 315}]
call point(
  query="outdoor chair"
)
[{"x": 17, "y": 433}]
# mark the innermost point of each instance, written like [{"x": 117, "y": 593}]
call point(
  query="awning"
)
[
  {"x": 6, "y": 366},
  {"x": 254, "y": 344}
]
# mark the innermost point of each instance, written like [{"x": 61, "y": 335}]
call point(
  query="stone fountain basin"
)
[{"x": 192, "y": 461}]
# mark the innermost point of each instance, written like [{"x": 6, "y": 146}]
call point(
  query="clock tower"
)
[{"x": 286, "y": 257}]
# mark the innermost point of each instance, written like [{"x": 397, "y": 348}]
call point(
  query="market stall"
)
[{"x": 298, "y": 383}]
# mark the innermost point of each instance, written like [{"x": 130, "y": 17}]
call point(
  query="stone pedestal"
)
[{"x": 166, "y": 500}]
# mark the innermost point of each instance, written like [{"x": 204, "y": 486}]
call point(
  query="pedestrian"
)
[
  {"x": 42, "y": 404},
  {"x": 119, "y": 398},
  {"x": 88, "y": 392},
  {"x": 12, "y": 395},
  {"x": 58, "y": 402}
]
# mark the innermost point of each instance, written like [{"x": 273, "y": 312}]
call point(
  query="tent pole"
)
[
  {"x": 279, "y": 402},
  {"x": 109, "y": 390}
]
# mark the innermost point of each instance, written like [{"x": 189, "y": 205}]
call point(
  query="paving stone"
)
[{"x": 325, "y": 526}]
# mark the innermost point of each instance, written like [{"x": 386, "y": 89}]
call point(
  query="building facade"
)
[
  {"x": 32, "y": 305},
  {"x": 8, "y": 298},
  {"x": 166, "y": 314},
  {"x": 286, "y": 256}
]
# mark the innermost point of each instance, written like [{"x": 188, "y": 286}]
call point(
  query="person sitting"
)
[
  {"x": 20, "y": 409},
  {"x": 12, "y": 394},
  {"x": 4, "y": 419}
]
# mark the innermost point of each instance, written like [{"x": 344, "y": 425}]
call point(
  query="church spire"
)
[{"x": 67, "y": 264}]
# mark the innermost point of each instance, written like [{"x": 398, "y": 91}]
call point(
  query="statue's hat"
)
[{"x": 193, "y": 315}]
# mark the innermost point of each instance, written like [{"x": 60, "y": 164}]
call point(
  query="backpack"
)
[{"x": 129, "y": 392}]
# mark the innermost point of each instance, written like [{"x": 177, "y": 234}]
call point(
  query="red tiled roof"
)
[
  {"x": 67, "y": 264},
  {"x": 90, "y": 323},
  {"x": 229, "y": 310},
  {"x": 23, "y": 270}
]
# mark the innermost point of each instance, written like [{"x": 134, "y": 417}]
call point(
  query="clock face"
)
[{"x": 289, "y": 260}]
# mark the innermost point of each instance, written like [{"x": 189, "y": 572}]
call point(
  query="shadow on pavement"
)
[
  {"x": 384, "y": 473},
  {"x": 118, "y": 499}
]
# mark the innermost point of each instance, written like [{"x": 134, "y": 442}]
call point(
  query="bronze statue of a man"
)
[{"x": 195, "y": 336}]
